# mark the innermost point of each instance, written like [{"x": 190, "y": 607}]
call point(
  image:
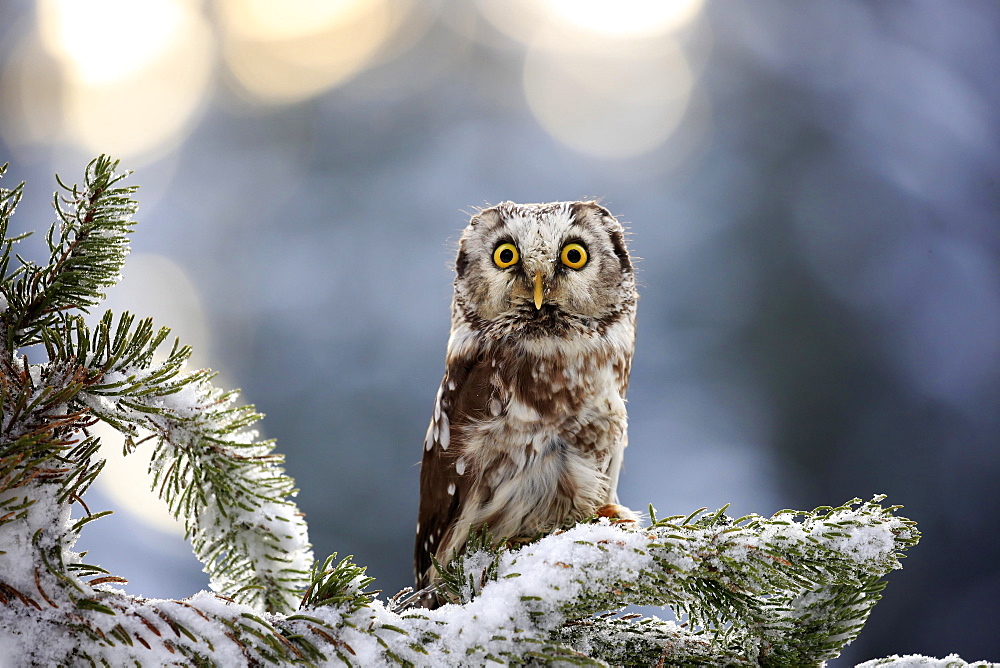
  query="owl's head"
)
[{"x": 543, "y": 268}]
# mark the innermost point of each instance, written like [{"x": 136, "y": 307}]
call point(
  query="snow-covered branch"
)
[
  {"x": 208, "y": 464},
  {"x": 741, "y": 584},
  {"x": 744, "y": 579}
]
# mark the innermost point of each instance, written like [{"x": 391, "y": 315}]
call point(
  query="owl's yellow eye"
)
[
  {"x": 574, "y": 256},
  {"x": 505, "y": 255}
]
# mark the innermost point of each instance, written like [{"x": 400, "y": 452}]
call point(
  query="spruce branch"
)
[
  {"x": 111, "y": 629},
  {"x": 345, "y": 583},
  {"x": 9, "y": 199},
  {"x": 752, "y": 584},
  {"x": 464, "y": 578},
  {"x": 41, "y": 435},
  {"x": 208, "y": 465},
  {"x": 87, "y": 248},
  {"x": 916, "y": 660},
  {"x": 791, "y": 589},
  {"x": 647, "y": 641}
]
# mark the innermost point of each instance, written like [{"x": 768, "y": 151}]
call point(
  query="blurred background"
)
[{"x": 812, "y": 190}]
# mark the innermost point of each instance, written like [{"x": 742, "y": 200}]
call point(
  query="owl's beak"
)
[{"x": 538, "y": 290}]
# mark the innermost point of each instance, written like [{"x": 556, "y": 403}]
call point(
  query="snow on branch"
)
[
  {"x": 208, "y": 464},
  {"x": 538, "y": 603},
  {"x": 739, "y": 584},
  {"x": 919, "y": 661},
  {"x": 226, "y": 484}
]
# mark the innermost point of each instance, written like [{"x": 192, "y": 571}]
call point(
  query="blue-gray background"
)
[{"x": 812, "y": 189}]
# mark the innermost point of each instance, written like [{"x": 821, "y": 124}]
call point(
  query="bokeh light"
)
[
  {"x": 607, "y": 97},
  {"x": 104, "y": 41},
  {"x": 31, "y": 93},
  {"x": 289, "y": 51},
  {"x": 131, "y": 77},
  {"x": 606, "y": 79},
  {"x": 625, "y": 18}
]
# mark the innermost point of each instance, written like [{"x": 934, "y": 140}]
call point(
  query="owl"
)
[{"x": 529, "y": 424}]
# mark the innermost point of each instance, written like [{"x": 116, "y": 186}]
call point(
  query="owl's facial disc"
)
[
  {"x": 540, "y": 268},
  {"x": 533, "y": 276}
]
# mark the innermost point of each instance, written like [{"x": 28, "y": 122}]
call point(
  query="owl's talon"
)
[{"x": 618, "y": 514}]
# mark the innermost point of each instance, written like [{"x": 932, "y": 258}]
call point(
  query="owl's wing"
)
[{"x": 444, "y": 482}]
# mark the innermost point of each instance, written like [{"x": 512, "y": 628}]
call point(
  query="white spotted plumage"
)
[{"x": 529, "y": 424}]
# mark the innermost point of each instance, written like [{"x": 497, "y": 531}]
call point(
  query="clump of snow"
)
[
  {"x": 43, "y": 527},
  {"x": 862, "y": 543},
  {"x": 266, "y": 539},
  {"x": 539, "y": 586},
  {"x": 536, "y": 590},
  {"x": 202, "y": 625},
  {"x": 562, "y": 565},
  {"x": 535, "y": 587},
  {"x": 919, "y": 661}
]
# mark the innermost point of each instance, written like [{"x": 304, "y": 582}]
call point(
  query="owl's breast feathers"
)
[{"x": 525, "y": 437}]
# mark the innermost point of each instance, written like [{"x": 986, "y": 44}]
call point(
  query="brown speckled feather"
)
[{"x": 461, "y": 398}]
